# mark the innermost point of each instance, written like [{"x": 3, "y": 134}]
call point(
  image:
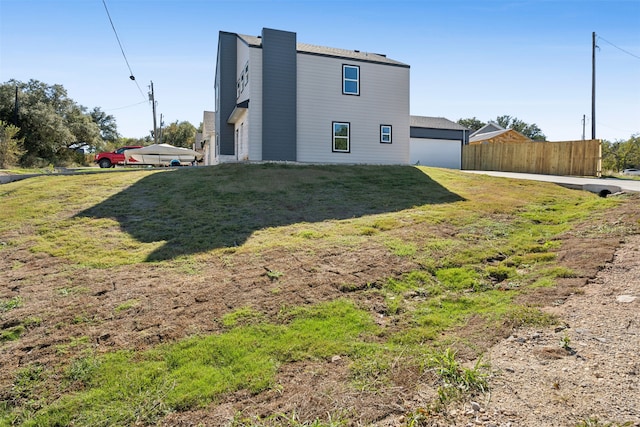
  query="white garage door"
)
[{"x": 440, "y": 153}]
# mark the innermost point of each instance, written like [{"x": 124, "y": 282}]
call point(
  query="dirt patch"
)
[
  {"x": 140, "y": 306},
  {"x": 311, "y": 390},
  {"x": 143, "y": 305}
]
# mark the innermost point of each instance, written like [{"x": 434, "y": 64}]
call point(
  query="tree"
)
[
  {"x": 473, "y": 124},
  {"x": 146, "y": 140},
  {"x": 51, "y": 124},
  {"x": 530, "y": 130},
  {"x": 10, "y": 147},
  {"x": 620, "y": 155},
  {"x": 106, "y": 123},
  {"x": 85, "y": 130},
  {"x": 180, "y": 134}
]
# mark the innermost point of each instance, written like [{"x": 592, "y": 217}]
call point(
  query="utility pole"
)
[
  {"x": 153, "y": 105},
  {"x": 593, "y": 86},
  {"x": 584, "y": 121}
]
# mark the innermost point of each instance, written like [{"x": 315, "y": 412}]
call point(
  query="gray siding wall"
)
[
  {"x": 226, "y": 83},
  {"x": 429, "y": 133},
  {"x": 279, "y": 93}
]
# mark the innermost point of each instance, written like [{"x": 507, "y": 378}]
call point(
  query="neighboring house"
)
[
  {"x": 207, "y": 139},
  {"x": 280, "y": 100},
  {"x": 493, "y": 132},
  {"x": 436, "y": 141},
  {"x": 489, "y": 127}
]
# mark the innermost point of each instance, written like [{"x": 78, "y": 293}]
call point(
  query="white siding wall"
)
[
  {"x": 384, "y": 99},
  {"x": 243, "y": 142},
  {"x": 249, "y": 125},
  {"x": 253, "y": 127},
  {"x": 209, "y": 136},
  {"x": 440, "y": 153}
]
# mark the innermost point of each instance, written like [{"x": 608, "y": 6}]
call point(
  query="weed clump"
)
[{"x": 457, "y": 381}]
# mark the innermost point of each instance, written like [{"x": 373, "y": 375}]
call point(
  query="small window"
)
[
  {"x": 351, "y": 80},
  {"x": 385, "y": 134},
  {"x": 341, "y": 137},
  {"x": 243, "y": 81}
]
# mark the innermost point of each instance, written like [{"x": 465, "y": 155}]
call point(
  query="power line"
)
[
  {"x": 617, "y": 128},
  {"x": 618, "y": 47},
  {"x": 131, "y": 76},
  {"x": 127, "y": 106}
]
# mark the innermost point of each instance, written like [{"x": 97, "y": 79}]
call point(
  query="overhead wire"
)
[
  {"x": 628, "y": 53},
  {"x": 618, "y": 47},
  {"x": 131, "y": 75},
  {"x": 127, "y": 106}
]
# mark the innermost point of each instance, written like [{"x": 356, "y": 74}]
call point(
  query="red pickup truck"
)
[{"x": 110, "y": 160}]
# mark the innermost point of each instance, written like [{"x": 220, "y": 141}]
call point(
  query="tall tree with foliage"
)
[
  {"x": 472, "y": 124},
  {"x": 106, "y": 123},
  {"x": 179, "y": 134},
  {"x": 530, "y": 130},
  {"x": 51, "y": 124},
  {"x": 620, "y": 155},
  {"x": 10, "y": 147}
]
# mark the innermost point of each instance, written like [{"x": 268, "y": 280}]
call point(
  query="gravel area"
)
[{"x": 583, "y": 372}]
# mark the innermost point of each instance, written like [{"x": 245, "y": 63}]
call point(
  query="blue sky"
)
[{"x": 526, "y": 58}]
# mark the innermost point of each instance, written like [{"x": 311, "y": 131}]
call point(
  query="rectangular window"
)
[
  {"x": 351, "y": 80},
  {"x": 243, "y": 81},
  {"x": 385, "y": 134},
  {"x": 341, "y": 137}
]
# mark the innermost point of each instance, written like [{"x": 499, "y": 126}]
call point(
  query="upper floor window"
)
[
  {"x": 243, "y": 81},
  {"x": 341, "y": 137},
  {"x": 351, "y": 80},
  {"x": 385, "y": 134}
]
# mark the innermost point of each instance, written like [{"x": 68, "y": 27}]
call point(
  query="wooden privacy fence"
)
[{"x": 577, "y": 158}]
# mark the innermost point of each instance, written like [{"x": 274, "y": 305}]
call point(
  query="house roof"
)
[
  {"x": 252, "y": 41},
  {"x": 488, "y": 128},
  {"x": 255, "y": 41},
  {"x": 486, "y": 135},
  {"x": 514, "y": 136},
  {"x": 434, "y": 123}
]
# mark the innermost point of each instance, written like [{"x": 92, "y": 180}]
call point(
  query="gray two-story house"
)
[{"x": 280, "y": 100}]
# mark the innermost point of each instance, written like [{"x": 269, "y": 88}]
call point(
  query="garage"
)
[
  {"x": 441, "y": 153},
  {"x": 437, "y": 142}
]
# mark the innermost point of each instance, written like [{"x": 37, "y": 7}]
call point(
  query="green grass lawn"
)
[{"x": 477, "y": 242}]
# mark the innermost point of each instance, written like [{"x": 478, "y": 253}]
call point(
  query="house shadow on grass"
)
[{"x": 202, "y": 208}]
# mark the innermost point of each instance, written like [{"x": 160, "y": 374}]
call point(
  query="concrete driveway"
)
[{"x": 601, "y": 186}]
